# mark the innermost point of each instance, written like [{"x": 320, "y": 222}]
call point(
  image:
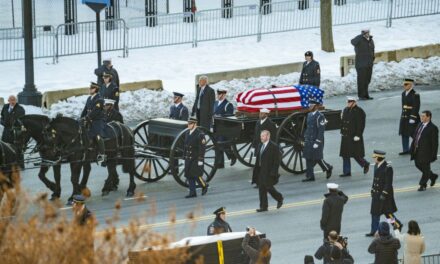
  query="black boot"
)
[{"x": 101, "y": 157}]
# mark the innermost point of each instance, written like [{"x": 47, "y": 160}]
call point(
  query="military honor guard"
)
[
  {"x": 194, "y": 154},
  {"x": 352, "y": 140},
  {"x": 203, "y": 107},
  {"x": 219, "y": 225},
  {"x": 178, "y": 111},
  {"x": 81, "y": 213},
  {"x": 382, "y": 193},
  {"x": 94, "y": 118},
  {"x": 314, "y": 142},
  {"x": 364, "y": 60},
  {"x": 409, "y": 119},
  {"x": 107, "y": 67},
  {"x": 111, "y": 114},
  {"x": 109, "y": 90},
  {"x": 223, "y": 108},
  {"x": 310, "y": 73},
  {"x": 424, "y": 149},
  {"x": 266, "y": 171}
]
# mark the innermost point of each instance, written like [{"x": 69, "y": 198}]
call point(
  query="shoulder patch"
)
[{"x": 98, "y": 105}]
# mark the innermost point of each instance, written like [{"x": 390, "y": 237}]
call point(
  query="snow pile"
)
[{"x": 145, "y": 104}]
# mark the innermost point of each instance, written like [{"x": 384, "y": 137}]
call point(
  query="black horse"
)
[
  {"x": 68, "y": 137},
  {"x": 9, "y": 162}
]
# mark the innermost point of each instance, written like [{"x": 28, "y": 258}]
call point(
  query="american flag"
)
[{"x": 278, "y": 98}]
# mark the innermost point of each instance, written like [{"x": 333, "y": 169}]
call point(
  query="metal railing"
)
[
  {"x": 206, "y": 25},
  {"x": 428, "y": 259}
]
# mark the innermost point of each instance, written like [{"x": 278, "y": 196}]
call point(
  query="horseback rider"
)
[
  {"x": 93, "y": 117},
  {"x": 111, "y": 114}
]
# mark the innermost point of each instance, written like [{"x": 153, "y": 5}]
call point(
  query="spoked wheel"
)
[
  {"x": 176, "y": 157},
  {"x": 243, "y": 152},
  {"x": 151, "y": 164},
  {"x": 290, "y": 138}
]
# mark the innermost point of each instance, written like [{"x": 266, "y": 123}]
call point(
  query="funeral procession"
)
[{"x": 220, "y": 131}]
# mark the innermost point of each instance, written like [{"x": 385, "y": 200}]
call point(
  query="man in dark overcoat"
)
[
  {"x": 424, "y": 149},
  {"x": 178, "y": 110},
  {"x": 332, "y": 209},
  {"x": 203, "y": 107},
  {"x": 266, "y": 171},
  {"x": 364, "y": 49},
  {"x": 107, "y": 67},
  {"x": 109, "y": 90},
  {"x": 352, "y": 140},
  {"x": 409, "y": 119},
  {"x": 219, "y": 225},
  {"x": 310, "y": 73},
  {"x": 194, "y": 155},
  {"x": 223, "y": 108},
  {"x": 11, "y": 112},
  {"x": 94, "y": 118},
  {"x": 382, "y": 193},
  {"x": 314, "y": 142}
]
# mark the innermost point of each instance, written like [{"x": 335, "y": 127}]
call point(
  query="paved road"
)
[{"x": 294, "y": 229}]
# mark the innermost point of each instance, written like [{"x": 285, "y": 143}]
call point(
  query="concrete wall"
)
[
  {"x": 273, "y": 70},
  {"x": 422, "y": 52},
  {"x": 52, "y": 97}
]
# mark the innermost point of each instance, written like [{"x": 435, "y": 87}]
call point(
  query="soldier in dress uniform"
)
[
  {"x": 310, "y": 73},
  {"x": 219, "y": 225},
  {"x": 382, "y": 193},
  {"x": 111, "y": 114},
  {"x": 352, "y": 140},
  {"x": 178, "y": 111},
  {"x": 107, "y": 67},
  {"x": 85, "y": 221},
  {"x": 223, "y": 108},
  {"x": 194, "y": 154},
  {"x": 80, "y": 210},
  {"x": 109, "y": 90},
  {"x": 410, "y": 114},
  {"x": 314, "y": 142},
  {"x": 94, "y": 118}
]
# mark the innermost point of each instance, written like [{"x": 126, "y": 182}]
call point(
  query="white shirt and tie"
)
[{"x": 199, "y": 103}]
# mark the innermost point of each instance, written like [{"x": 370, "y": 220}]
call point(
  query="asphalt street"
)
[{"x": 293, "y": 229}]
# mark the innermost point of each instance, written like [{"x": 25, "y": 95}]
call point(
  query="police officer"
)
[
  {"x": 178, "y": 111},
  {"x": 109, "y": 90},
  {"x": 223, "y": 108},
  {"x": 219, "y": 225},
  {"x": 93, "y": 116},
  {"x": 111, "y": 114},
  {"x": 81, "y": 213},
  {"x": 314, "y": 142},
  {"x": 194, "y": 154},
  {"x": 310, "y": 73},
  {"x": 410, "y": 114},
  {"x": 382, "y": 193},
  {"x": 352, "y": 140}
]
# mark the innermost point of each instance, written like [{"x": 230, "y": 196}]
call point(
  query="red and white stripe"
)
[{"x": 279, "y": 98}]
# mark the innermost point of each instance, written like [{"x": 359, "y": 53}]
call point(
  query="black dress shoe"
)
[
  {"x": 404, "y": 153},
  {"x": 345, "y": 175},
  {"x": 329, "y": 172},
  {"x": 233, "y": 161},
  {"x": 421, "y": 189},
  {"x": 191, "y": 196},
  {"x": 366, "y": 168},
  {"x": 434, "y": 178},
  {"x": 369, "y": 235},
  {"x": 280, "y": 203},
  {"x": 205, "y": 189},
  {"x": 369, "y": 98},
  {"x": 308, "y": 180},
  {"x": 259, "y": 210}
]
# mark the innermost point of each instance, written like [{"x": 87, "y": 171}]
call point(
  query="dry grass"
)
[{"x": 36, "y": 231}]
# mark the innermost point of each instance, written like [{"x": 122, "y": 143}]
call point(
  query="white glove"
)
[
  {"x": 315, "y": 146},
  {"x": 412, "y": 121},
  {"x": 356, "y": 138},
  {"x": 200, "y": 163}
]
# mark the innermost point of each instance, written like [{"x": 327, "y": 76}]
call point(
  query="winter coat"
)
[
  {"x": 324, "y": 252},
  {"x": 99, "y": 72},
  {"x": 332, "y": 209},
  {"x": 384, "y": 249},
  {"x": 206, "y": 111},
  {"x": 427, "y": 146},
  {"x": 314, "y": 134},
  {"x": 410, "y": 111},
  {"x": 383, "y": 186},
  {"x": 218, "y": 226},
  {"x": 267, "y": 164},
  {"x": 310, "y": 73},
  {"x": 110, "y": 92},
  {"x": 179, "y": 112},
  {"x": 94, "y": 113},
  {"x": 113, "y": 115},
  {"x": 364, "y": 50},
  {"x": 267, "y": 125},
  {"x": 353, "y": 125},
  {"x": 414, "y": 246},
  {"x": 8, "y": 120},
  {"x": 254, "y": 254},
  {"x": 193, "y": 152}
]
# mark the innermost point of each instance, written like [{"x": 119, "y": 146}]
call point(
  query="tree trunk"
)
[{"x": 326, "y": 26}]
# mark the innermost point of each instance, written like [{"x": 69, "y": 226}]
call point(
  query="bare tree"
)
[{"x": 326, "y": 26}]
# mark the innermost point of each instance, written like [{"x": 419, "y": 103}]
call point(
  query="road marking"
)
[
  {"x": 389, "y": 97},
  {"x": 252, "y": 211},
  {"x": 134, "y": 198}
]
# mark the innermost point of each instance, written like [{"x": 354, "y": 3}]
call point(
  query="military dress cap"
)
[
  {"x": 365, "y": 30},
  {"x": 94, "y": 85},
  {"x": 264, "y": 110},
  {"x": 178, "y": 94},
  {"x": 308, "y": 53},
  {"x": 79, "y": 198},
  {"x": 332, "y": 186},
  {"x": 107, "y": 60},
  {"x": 222, "y": 90},
  {"x": 192, "y": 119},
  {"x": 220, "y": 210},
  {"x": 109, "y": 101},
  {"x": 106, "y": 75},
  {"x": 352, "y": 99},
  {"x": 379, "y": 154},
  {"x": 407, "y": 80}
]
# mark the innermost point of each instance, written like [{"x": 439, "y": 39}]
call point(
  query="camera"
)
[{"x": 343, "y": 241}]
